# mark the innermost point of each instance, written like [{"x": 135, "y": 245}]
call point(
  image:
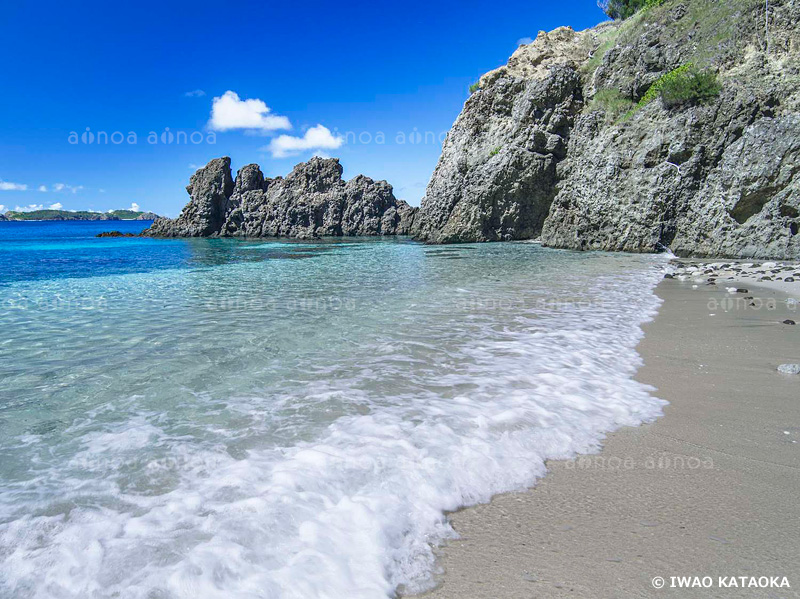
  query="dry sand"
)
[{"x": 710, "y": 489}]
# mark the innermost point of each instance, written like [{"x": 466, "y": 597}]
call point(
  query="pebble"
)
[
  {"x": 789, "y": 321},
  {"x": 718, "y": 540},
  {"x": 789, "y": 368}
]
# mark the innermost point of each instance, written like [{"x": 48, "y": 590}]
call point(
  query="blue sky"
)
[{"x": 340, "y": 70}]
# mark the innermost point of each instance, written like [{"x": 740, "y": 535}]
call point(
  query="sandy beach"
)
[{"x": 710, "y": 489}]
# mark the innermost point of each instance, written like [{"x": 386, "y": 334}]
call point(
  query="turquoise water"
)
[{"x": 230, "y": 418}]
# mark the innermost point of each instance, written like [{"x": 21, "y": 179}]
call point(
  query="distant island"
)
[{"x": 78, "y": 215}]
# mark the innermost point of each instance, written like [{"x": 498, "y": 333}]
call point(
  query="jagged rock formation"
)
[
  {"x": 313, "y": 201},
  {"x": 497, "y": 174},
  {"x": 115, "y": 234},
  {"x": 553, "y": 146}
]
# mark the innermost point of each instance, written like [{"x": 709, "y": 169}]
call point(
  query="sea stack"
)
[{"x": 312, "y": 201}]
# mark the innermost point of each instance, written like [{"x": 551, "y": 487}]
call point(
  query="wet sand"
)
[{"x": 710, "y": 489}]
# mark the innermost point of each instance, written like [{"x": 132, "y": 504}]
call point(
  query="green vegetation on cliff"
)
[
  {"x": 622, "y": 9},
  {"x": 687, "y": 86},
  {"x": 684, "y": 85},
  {"x": 612, "y": 102}
]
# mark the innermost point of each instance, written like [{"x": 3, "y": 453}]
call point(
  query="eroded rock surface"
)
[
  {"x": 312, "y": 201},
  {"x": 553, "y": 144}
]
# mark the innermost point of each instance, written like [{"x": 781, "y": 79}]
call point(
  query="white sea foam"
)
[{"x": 352, "y": 508}]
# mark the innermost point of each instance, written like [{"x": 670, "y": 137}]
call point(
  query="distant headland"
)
[{"x": 78, "y": 215}]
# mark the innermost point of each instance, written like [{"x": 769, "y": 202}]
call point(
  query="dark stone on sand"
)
[
  {"x": 668, "y": 276},
  {"x": 789, "y": 321}
]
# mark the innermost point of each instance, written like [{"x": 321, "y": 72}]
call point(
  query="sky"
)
[{"x": 106, "y": 105}]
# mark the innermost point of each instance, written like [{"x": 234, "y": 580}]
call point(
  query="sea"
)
[{"x": 232, "y": 418}]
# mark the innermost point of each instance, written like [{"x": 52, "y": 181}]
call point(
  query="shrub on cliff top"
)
[{"x": 622, "y": 9}]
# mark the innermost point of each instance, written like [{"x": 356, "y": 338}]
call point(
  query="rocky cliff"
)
[
  {"x": 559, "y": 143},
  {"x": 312, "y": 201}
]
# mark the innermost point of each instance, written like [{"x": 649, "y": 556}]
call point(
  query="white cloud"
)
[
  {"x": 2, "y": 207},
  {"x": 56, "y": 206},
  {"x": 134, "y": 207},
  {"x": 8, "y": 186},
  {"x": 524, "y": 41},
  {"x": 195, "y": 93},
  {"x": 64, "y": 187},
  {"x": 316, "y": 138},
  {"x": 101, "y": 190},
  {"x": 228, "y": 112},
  {"x": 28, "y": 208},
  {"x": 43, "y": 188}
]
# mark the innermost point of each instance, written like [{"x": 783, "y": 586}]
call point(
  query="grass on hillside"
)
[
  {"x": 612, "y": 102},
  {"x": 711, "y": 29}
]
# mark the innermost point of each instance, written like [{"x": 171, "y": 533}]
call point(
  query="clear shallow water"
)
[{"x": 219, "y": 418}]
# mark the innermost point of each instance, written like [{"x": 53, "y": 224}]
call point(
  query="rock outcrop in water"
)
[
  {"x": 554, "y": 144},
  {"x": 312, "y": 201}
]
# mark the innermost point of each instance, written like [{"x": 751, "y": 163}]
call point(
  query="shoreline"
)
[{"x": 708, "y": 489}]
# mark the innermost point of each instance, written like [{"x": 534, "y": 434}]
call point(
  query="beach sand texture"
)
[{"x": 710, "y": 489}]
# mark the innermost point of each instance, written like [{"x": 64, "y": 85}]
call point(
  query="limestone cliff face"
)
[
  {"x": 540, "y": 150},
  {"x": 313, "y": 201},
  {"x": 496, "y": 177}
]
